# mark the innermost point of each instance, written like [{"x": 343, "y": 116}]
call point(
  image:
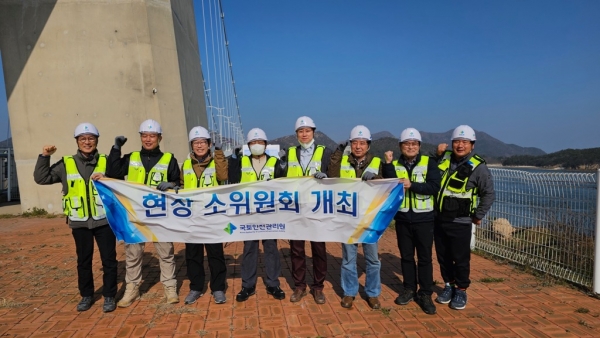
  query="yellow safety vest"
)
[
  {"x": 347, "y": 171},
  {"x": 453, "y": 186},
  {"x": 137, "y": 172},
  {"x": 82, "y": 199},
  {"x": 294, "y": 167},
  {"x": 419, "y": 203},
  {"x": 248, "y": 173},
  {"x": 190, "y": 180}
]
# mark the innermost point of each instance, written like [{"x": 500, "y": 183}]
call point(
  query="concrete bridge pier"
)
[{"x": 112, "y": 63}]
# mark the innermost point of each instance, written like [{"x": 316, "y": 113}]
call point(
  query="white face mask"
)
[
  {"x": 257, "y": 149},
  {"x": 307, "y": 145}
]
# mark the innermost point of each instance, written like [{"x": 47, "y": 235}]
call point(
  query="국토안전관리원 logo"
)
[{"x": 230, "y": 228}]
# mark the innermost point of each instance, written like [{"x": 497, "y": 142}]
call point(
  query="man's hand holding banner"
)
[{"x": 328, "y": 210}]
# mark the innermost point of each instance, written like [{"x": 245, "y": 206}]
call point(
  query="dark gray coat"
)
[
  {"x": 480, "y": 178},
  {"x": 45, "y": 174}
]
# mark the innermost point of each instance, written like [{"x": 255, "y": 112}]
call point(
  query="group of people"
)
[{"x": 444, "y": 195}]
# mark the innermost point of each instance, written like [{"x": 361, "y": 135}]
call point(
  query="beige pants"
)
[{"x": 134, "y": 254}]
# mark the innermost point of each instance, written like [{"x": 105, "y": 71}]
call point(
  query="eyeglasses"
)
[
  {"x": 86, "y": 139},
  {"x": 200, "y": 143},
  {"x": 410, "y": 144},
  {"x": 359, "y": 143}
]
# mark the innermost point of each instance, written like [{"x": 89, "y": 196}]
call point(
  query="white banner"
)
[{"x": 327, "y": 210}]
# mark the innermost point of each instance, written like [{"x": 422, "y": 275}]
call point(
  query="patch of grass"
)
[
  {"x": 8, "y": 216},
  {"x": 586, "y": 324},
  {"x": 392, "y": 226},
  {"x": 6, "y": 303},
  {"x": 582, "y": 310},
  {"x": 35, "y": 212},
  {"x": 491, "y": 280},
  {"x": 202, "y": 333},
  {"x": 164, "y": 308},
  {"x": 476, "y": 315},
  {"x": 386, "y": 311},
  {"x": 6, "y": 250}
]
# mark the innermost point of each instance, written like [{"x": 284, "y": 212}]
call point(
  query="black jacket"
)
[
  {"x": 118, "y": 166},
  {"x": 431, "y": 186},
  {"x": 235, "y": 169}
]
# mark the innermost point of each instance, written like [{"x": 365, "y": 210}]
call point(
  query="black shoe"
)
[
  {"x": 244, "y": 294},
  {"x": 405, "y": 297},
  {"x": 426, "y": 303},
  {"x": 109, "y": 304},
  {"x": 85, "y": 304},
  {"x": 276, "y": 292}
]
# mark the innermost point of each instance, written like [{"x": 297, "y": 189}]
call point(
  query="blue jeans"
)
[{"x": 350, "y": 275}]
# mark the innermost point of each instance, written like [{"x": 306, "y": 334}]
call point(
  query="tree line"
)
[{"x": 568, "y": 159}]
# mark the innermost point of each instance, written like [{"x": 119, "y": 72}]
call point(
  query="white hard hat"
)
[
  {"x": 360, "y": 132},
  {"x": 305, "y": 121},
  {"x": 463, "y": 132},
  {"x": 150, "y": 126},
  {"x": 86, "y": 128},
  {"x": 256, "y": 134},
  {"x": 198, "y": 132},
  {"x": 410, "y": 134}
]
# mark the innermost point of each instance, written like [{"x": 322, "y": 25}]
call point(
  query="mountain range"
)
[{"x": 486, "y": 145}]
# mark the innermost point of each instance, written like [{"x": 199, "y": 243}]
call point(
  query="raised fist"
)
[
  {"x": 48, "y": 150},
  {"x": 389, "y": 156}
]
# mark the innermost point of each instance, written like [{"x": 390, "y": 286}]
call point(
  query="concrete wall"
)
[{"x": 68, "y": 61}]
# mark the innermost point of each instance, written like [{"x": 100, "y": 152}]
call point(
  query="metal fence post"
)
[
  {"x": 597, "y": 239},
  {"x": 9, "y": 181}
]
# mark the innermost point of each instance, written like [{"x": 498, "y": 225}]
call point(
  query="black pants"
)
[
  {"x": 194, "y": 258},
  {"x": 250, "y": 263},
  {"x": 84, "y": 246},
  {"x": 453, "y": 249},
  {"x": 419, "y": 237}
]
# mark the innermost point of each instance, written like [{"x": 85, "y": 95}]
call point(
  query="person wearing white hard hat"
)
[
  {"x": 414, "y": 220},
  {"x": 307, "y": 159},
  {"x": 355, "y": 161},
  {"x": 466, "y": 195},
  {"x": 84, "y": 210},
  {"x": 202, "y": 170},
  {"x": 152, "y": 167},
  {"x": 258, "y": 166}
]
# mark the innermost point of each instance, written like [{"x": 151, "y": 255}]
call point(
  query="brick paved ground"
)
[{"x": 38, "y": 296}]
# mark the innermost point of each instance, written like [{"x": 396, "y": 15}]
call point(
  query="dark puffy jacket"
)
[
  {"x": 431, "y": 186},
  {"x": 118, "y": 166}
]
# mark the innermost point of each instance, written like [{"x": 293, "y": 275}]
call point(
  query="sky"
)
[{"x": 525, "y": 72}]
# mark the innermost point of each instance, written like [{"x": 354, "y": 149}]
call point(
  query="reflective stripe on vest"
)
[
  {"x": 462, "y": 192},
  {"x": 248, "y": 173},
  {"x": 82, "y": 199},
  {"x": 294, "y": 167},
  {"x": 190, "y": 180},
  {"x": 347, "y": 171},
  {"x": 418, "y": 203},
  {"x": 158, "y": 173}
]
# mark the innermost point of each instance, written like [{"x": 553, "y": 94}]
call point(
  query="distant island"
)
[{"x": 580, "y": 159}]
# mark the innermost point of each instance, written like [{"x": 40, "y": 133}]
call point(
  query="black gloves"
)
[
  {"x": 164, "y": 186},
  {"x": 120, "y": 141}
]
